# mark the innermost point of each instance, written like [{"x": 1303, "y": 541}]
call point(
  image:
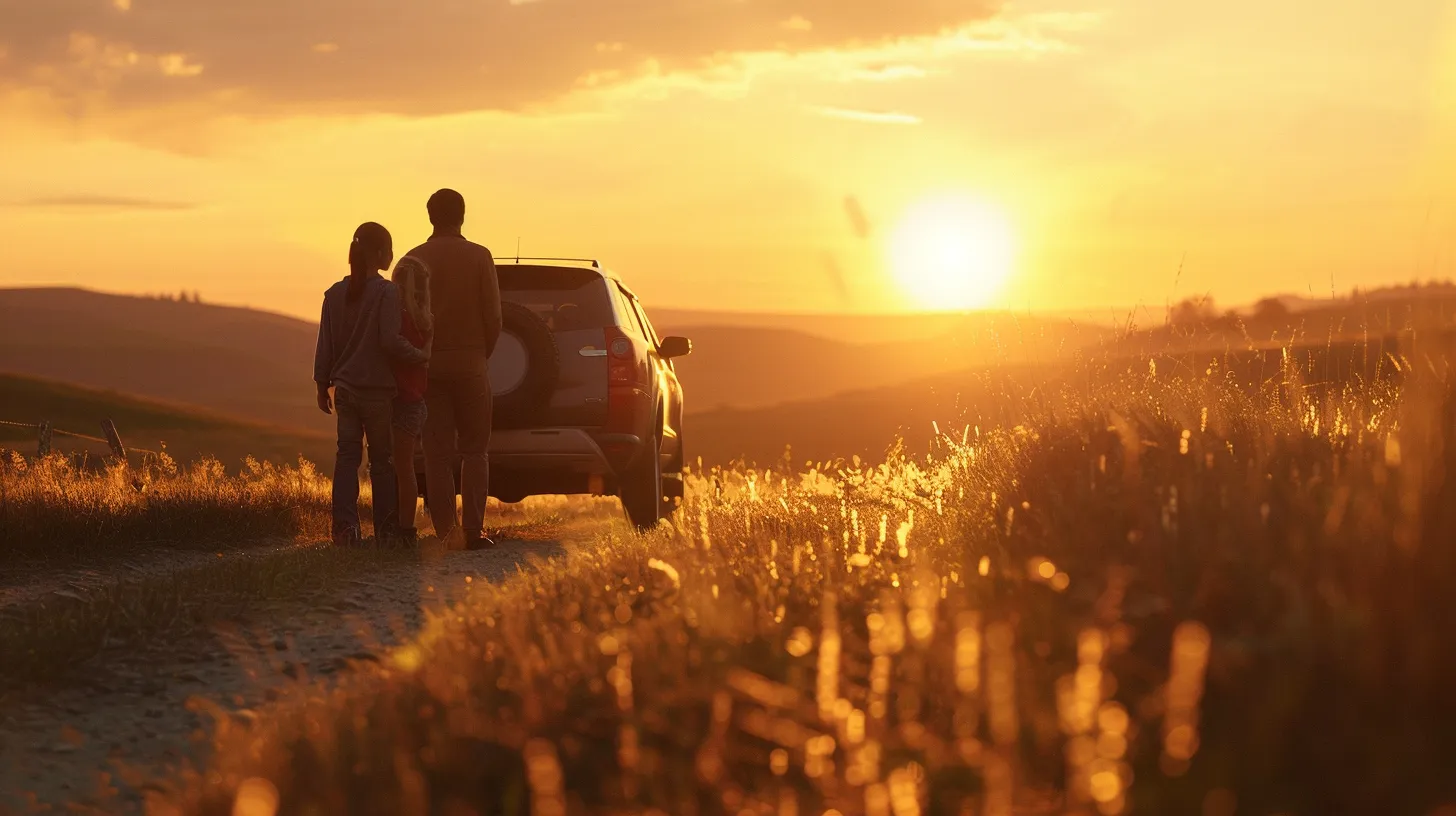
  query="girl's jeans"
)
[{"x": 361, "y": 419}]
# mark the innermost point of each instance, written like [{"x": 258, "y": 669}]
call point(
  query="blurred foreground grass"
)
[{"x": 1156, "y": 595}]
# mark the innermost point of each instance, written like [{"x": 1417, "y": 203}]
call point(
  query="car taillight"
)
[
  {"x": 622, "y": 380},
  {"x": 623, "y": 365}
]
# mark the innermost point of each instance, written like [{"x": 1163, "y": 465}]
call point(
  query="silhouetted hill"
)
[
  {"x": 186, "y": 432},
  {"x": 866, "y": 422},
  {"x": 240, "y": 362},
  {"x": 749, "y": 366},
  {"x": 746, "y": 367},
  {"x": 258, "y": 365},
  {"x": 1283, "y": 319},
  {"x": 886, "y": 328}
]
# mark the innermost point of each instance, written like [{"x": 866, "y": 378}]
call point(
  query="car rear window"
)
[{"x": 567, "y": 299}]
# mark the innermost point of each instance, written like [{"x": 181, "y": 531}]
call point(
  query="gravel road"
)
[{"x": 86, "y": 744}]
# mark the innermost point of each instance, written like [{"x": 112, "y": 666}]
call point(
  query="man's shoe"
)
[
  {"x": 406, "y": 537},
  {"x": 479, "y": 543}
]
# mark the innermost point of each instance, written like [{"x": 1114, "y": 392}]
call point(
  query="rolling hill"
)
[
  {"x": 758, "y": 366},
  {"x": 238, "y": 362},
  {"x": 258, "y": 365},
  {"x": 750, "y": 388},
  {"x": 886, "y": 328},
  {"x": 866, "y": 422},
  {"x": 186, "y": 432}
]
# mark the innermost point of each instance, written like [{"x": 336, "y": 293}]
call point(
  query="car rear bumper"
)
[
  {"x": 570, "y": 449},
  {"x": 554, "y": 461}
]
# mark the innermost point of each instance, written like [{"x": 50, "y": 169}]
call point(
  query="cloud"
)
[
  {"x": 869, "y": 117},
  {"x": 885, "y": 73},
  {"x": 413, "y": 57},
  {"x": 105, "y": 202}
]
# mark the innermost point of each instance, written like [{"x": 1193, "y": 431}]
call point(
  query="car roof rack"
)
[{"x": 595, "y": 264}]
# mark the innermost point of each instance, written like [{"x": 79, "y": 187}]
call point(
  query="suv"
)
[{"x": 586, "y": 398}]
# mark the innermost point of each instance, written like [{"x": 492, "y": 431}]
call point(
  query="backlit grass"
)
[
  {"x": 1155, "y": 595},
  {"x": 52, "y": 508}
]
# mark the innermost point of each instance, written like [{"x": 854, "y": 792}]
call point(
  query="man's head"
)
[{"x": 447, "y": 209}]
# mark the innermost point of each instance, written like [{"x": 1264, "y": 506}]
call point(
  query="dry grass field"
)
[{"x": 1156, "y": 594}]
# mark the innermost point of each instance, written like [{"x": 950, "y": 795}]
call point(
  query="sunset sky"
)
[{"x": 733, "y": 154}]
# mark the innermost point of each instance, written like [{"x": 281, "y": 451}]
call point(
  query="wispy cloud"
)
[
  {"x": 1026, "y": 35},
  {"x": 870, "y": 117},
  {"x": 282, "y": 56},
  {"x": 885, "y": 73},
  {"x": 105, "y": 202}
]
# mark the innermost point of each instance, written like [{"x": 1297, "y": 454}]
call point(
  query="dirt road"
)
[{"x": 129, "y": 717}]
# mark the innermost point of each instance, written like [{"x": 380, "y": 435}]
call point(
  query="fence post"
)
[
  {"x": 43, "y": 449},
  {"x": 108, "y": 429}
]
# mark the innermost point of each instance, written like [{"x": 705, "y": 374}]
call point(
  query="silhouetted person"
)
[
  {"x": 465, "y": 296},
  {"x": 359, "y": 337}
]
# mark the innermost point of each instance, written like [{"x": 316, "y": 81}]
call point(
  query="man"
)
[{"x": 465, "y": 295}]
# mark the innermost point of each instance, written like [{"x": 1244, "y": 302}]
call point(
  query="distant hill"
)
[
  {"x": 1283, "y": 319},
  {"x": 254, "y": 364},
  {"x": 866, "y": 422},
  {"x": 758, "y": 366},
  {"x": 144, "y": 424},
  {"x": 884, "y": 328},
  {"x": 239, "y": 362}
]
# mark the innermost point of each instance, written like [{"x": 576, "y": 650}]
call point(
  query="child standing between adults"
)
[
  {"x": 417, "y": 321},
  {"x": 359, "y": 338}
]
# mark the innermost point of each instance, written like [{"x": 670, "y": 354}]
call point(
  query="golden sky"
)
[{"x": 733, "y": 154}]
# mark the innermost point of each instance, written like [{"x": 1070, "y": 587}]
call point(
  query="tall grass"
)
[
  {"x": 55, "y": 508},
  {"x": 1156, "y": 595}
]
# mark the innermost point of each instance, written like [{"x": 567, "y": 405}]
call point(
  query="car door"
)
[{"x": 666, "y": 375}]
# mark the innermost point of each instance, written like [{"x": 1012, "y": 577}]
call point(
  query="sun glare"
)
[{"x": 952, "y": 252}]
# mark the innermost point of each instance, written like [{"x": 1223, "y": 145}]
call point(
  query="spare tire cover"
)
[{"x": 523, "y": 368}]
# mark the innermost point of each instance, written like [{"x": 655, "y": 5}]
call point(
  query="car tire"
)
[
  {"x": 523, "y": 403},
  {"x": 642, "y": 489},
  {"x": 673, "y": 491}
]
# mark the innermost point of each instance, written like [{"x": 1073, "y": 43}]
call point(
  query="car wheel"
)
[
  {"x": 672, "y": 483},
  {"x": 642, "y": 495}
]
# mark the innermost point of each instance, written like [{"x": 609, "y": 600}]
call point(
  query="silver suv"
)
[{"x": 587, "y": 400}]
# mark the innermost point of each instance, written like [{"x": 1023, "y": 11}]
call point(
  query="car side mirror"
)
[{"x": 672, "y": 347}]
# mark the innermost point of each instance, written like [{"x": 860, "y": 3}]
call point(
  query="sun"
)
[{"x": 952, "y": 252}]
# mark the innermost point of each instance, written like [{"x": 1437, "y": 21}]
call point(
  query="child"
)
[
  {"x": 359, "y": 336},
  {"x": 412, "y": 278}
]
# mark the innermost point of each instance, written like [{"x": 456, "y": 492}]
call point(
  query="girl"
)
[
  {"x": 359, "y": 337},
  {"x": 412, "y": 278}
]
